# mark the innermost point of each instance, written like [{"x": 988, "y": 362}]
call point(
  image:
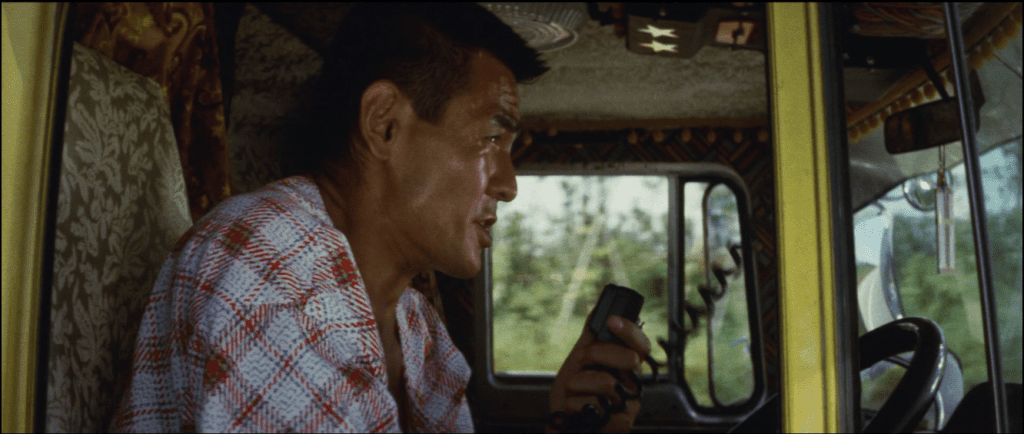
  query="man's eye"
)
[{"x": 494, "y": 139}]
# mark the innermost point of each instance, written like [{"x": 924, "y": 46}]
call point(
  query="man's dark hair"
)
[{"x": 424, "y": 48}]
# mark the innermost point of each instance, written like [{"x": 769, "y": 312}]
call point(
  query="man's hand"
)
[{"x": 575, "y": 387}]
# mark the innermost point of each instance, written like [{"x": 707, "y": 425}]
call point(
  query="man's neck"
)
[{"x": 377, "y": 253}]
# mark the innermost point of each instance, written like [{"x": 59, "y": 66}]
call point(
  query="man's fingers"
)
[
  {"x": 630, "y": 333},
  {"x": 578, "y": 385},
  {"x": 592, "y": 382},
  {"x": 613, "y": 356},
  {"x": 623, "y": 421},
  {"x": 574, "y": 404}
]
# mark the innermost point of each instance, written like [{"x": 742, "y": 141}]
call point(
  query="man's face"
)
[{"x": 450, "y": 177}]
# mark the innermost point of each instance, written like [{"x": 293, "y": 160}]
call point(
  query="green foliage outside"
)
[
  {"x": 584, "y": 246},
  {"x": 953, "y": 300},
  {"x": 534, "y": 269}
]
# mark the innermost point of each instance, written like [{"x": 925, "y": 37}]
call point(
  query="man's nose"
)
[{"x": 502, "y": 185}]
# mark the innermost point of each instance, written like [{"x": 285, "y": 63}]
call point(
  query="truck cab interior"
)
[{"x": 649, "y": 158}]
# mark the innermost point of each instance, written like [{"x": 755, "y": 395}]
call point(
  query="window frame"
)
[{"x": 505, "y": 401}]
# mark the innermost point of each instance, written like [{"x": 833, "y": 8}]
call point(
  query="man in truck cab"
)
[{"x": 289, "y": 308}]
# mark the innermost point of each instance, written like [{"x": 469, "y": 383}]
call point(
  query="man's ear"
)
[{"x": 380, "y": 118}]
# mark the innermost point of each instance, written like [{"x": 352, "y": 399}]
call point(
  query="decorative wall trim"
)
[{"x": 992, "y": 32}]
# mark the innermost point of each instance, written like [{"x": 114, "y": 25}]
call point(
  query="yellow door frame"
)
[
  {"x": 807, "y": 320},
  {"x": 32, "y": 36}
]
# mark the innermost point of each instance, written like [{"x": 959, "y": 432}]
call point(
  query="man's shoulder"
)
[
  {"x": 261, "y": 246},
  {"x": 294, "y": 202},
  {"x": 283, "y": 211}
]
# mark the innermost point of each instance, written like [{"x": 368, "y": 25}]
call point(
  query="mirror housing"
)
[{"x": 929, "y": 125}]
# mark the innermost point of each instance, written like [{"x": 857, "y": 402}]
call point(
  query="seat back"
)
[
  {"x": 121, "y": 207},
  {"x": 976, "y": 413}
]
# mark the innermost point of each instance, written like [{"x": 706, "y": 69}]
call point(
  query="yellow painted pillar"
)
[
  {"x": 806, "y": 290},
  {"x": 32, "y": 34}
]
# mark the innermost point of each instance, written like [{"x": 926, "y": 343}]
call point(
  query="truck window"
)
[
  {"x": 676, "y": 235},
  {"x": 557, "y": 245}
]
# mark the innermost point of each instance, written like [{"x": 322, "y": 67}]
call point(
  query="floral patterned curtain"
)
[
  {"x": 121, "y": 206},
  {"x": 176, "y": 45}
]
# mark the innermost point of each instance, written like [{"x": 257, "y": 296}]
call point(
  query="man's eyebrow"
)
[{"x": 506, "y": 122}]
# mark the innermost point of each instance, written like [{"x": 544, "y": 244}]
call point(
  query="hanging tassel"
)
[{"x": 945, "y": 226}]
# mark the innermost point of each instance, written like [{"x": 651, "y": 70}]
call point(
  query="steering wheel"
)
[
  {"x": 909, "y": 402},
  {"x": 916, "y": 390}
]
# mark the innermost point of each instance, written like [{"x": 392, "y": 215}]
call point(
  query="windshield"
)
[
  {"x": 951, "y": 300},
  {"x": 897, "y": 252}
]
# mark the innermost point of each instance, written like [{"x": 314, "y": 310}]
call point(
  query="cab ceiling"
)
[
  {"x": 595, "y": 79},
  {"x": 276, "y": 61}
]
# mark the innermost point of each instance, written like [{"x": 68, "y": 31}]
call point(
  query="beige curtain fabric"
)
[
  {"x": 121, "y": 206},
  {"x": 176, "y": 45}
]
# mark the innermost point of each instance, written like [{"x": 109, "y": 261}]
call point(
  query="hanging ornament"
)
[
  {"x": 905, "y": 103},
  {"x": 1011, "y": 27},
  {"x": 916, "y": 96},
  {"x": 930, "y": 91},
  {"x": 975, "y": 59},
  {"x": 1000, "y": 36},
  {"x": 987, "y": 51},
  {"x": 945, "y": 226}
]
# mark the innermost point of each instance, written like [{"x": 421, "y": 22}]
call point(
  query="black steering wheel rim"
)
[{"x": 915, "y": 392}]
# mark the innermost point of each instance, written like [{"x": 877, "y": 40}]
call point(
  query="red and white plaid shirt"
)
[{"x": 259, "y": 321}]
